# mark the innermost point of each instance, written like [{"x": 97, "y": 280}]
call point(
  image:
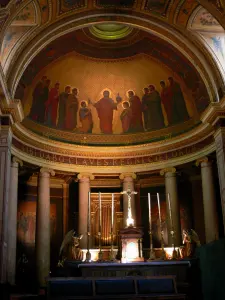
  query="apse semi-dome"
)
[{"x": 135, "y": 89}]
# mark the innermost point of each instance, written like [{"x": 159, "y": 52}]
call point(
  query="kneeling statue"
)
[
  {"x": 190, "y": 242},
  {"x": 70, "y": 249}
]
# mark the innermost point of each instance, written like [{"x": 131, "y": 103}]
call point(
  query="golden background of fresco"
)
[{"x": 92, "y": 76}]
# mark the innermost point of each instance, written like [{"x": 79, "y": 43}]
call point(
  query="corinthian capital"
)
[
  {"x": 167, "y": 170},
  {"x": 125, "y": 175},
  {"x": 85, "y": 175}
]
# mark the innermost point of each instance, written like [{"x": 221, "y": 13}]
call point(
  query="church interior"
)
[{"x": 112, "y": 149}]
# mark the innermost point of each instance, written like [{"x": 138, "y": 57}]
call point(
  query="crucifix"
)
[{"x": 129, "y": 193}]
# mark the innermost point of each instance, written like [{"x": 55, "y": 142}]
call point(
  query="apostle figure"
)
[
  {"x": 37, "y": 96},
  {"x": 105, "y": 107},
  {"x": 125, "y": 116},
  {"x": 71, "y": 110},
  {"x": 42, "y": 101},
  {"x": 136, "y": 123},
  {"x": 166, "y": 97},
  {"x": 154, "y": 110},
  {"x": 51, "y": 105},
  {"x": 85, "y": 118},
  {"x": 63, "y": 97},
  {"x": 179, "y": 110},
  {"x": 145, "y": 103}
]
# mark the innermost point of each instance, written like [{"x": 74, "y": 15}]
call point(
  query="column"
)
[
  {"x": 84, "y": 188},
  {"x": 171, "y": 188},
  {"x": 12, "y": 220},
  {"x": 5, "y": 161},
  {"x": 128, "y": 182},
  {"x": 42, "y": 240},
  {"x": 65, "y": 188},
  {"x": 209, "y": 200},
  {"x": 220, "y": 155}
]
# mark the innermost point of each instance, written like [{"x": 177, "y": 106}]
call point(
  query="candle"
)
[
  {"x": 159, "y": 210},
  {"x": 89, "y": 212},
  {"x": 112, "y": 209},
  {"x": 149, "y": 212},
  {"x": 100, "y": 211},
  {"x": 170, "y": 211}
]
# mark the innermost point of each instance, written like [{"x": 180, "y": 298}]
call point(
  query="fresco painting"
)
[
  {"x": 27, "y": 16},
  {"x": 108, "y": 103},
  {"x": 158, "y": 6},
  {"x": 26, "y": 222}
]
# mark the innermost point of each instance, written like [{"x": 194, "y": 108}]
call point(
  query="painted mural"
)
[
  {"x": 93, "y": 86},
  {"x": 26, "y": 222},
  {"x": 88, "y": 96},
  {"x": 20, "y": 25}
]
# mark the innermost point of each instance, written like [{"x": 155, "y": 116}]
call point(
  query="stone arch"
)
[{"x": 169, "y": 35}]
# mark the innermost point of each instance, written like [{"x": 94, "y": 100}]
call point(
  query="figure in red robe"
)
[
  {"x": 52, "y": 106},
  {"x": 136, "y": 123},
  {"x": 105, "y": 107},
  {"x": 166, "y": 97}
]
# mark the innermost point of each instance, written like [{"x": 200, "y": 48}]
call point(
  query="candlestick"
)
[
  {"x": 149, "y": 212},
  {"x": 100, "y": 254},
  {"x": 152, "y": 252},
  {"x": 111, "y": 254},
  {"x": 172, "y": 232},
  {"x": 163, "y": 256},
  {"x": 160, "y": 223},
  {"x": 88, "y": 254},
  {"x": 112, "y": 209}
]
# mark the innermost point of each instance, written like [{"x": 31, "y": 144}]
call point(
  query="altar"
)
[{"x": 179, "y": 269}]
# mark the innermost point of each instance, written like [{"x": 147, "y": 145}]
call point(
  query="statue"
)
[
  {"x": 69, "y": 249},
  {"x": 190, "y": 242}
]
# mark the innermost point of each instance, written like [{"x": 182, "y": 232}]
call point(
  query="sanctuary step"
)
[{"x": 113, "y": 288}]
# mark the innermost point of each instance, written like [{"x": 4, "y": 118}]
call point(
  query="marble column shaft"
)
[
  {"x": 12, "y": 220},
  {"x": 220, "y": 155},
  {"x": 84, "y": 188},
  {"x": 5, "y": 161},
  {"x": 128, "y": 182},
  {"x": 209, "y": 201},
  {"x": 43, "y": 226},
  {"x": 171, "y": 188}
]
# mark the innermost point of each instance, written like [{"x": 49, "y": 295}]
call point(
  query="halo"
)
[
  {"x": 129, "y": 91},
  {"x": 84, "y": 101},
  {"x": 106, "y": 89},
  {"x": 75, "y": 88},
  {"x": 146, "y": 87},
  {"x": 125, "y": 102}
]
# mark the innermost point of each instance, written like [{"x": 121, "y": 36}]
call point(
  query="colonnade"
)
[
  {"x": 43, "y": 211},
  {"x": 8, "y": 205}
]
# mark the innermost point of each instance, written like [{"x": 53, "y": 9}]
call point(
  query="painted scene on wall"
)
[{"x": 94, "y": 94}]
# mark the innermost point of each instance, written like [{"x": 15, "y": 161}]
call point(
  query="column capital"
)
[
  {"x": 89, "y": 176},
  {"x": 203, "y": 162},
  {"x": 16, "y": 161},
  {"x": 126, "y": 175},
  {"x": 168, "y": 170},
  {"x": 49, "y": 172}
]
